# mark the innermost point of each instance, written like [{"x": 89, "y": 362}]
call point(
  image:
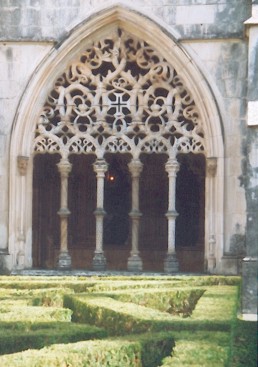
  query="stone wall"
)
[
  {"x": 212, "y": 33},
  {"x": 47, "y": 20}
]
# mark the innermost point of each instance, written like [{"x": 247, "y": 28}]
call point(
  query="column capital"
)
[
  {"x": 135, "y": 167},
  {"x": 64, "y": 167},
  {"x": 211, "y": 166},
  {"x": 100, "y": 167},
  {"x": 172, "y": 166},
  {"x": 22, "y": 163}
]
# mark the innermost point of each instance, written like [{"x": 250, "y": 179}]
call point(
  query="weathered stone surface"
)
[
  {"x": 192, "y": 19},
  {"x": 249, "y": 286},
  {"x": 220, "y": 68}
]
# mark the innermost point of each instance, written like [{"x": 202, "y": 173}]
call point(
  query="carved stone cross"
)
[{"x": 119, "y": 104}]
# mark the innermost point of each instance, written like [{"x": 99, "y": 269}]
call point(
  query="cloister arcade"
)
[{"x": 124, "y": 168}]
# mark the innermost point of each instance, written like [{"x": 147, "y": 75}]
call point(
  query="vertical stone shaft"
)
[
  {"x": 99, "y": 261},
  {"x": 211, "y": 169},
  {"x": 64, "y": 168},
  {"x": 171, "y": 263},
  {"x": 22, "y": 163},
  {"x": 134, "y": 261}
]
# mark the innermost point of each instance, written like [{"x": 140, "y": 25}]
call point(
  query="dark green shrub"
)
[
  {"x": 176, "y": 302},
  {"x": 244, "y": 344},
  {"x": 141, "y": 351},
  {"x": 183, "y": 303},
  {"x": 38, "y": 335}
]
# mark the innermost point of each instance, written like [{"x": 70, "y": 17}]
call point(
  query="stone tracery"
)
[{"x": 119, "y": 96}]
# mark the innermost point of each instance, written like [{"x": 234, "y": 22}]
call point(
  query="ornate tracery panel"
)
[{"x": 120, "y": 95}]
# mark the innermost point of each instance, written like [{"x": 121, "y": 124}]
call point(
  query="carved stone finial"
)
[
  {"x": 211, "y": 165},
  {"x": 22, "y": 163}
]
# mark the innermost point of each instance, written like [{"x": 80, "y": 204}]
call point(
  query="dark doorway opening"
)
[
  {"x": 190, "y": 205},
  {"x": 153, "y": 199},
  {"x": 117, "y": 205},
  {"x": 153, "y": 206},
  {"x": 117, "y": 200},
  {"x": 82, "y": 204},
  {"x": 46, "y": 203}
]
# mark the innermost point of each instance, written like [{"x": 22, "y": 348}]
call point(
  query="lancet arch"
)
[{"x": 117, "y": 88}]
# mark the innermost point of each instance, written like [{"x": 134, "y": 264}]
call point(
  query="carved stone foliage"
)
[{"x": 121, "y": 95}]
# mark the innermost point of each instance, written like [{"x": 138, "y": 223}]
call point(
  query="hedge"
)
[
  {"x": 200, "y": 349},
  {"x": 195, "y": 312},
  {"x": 176, "y": 302},
  {"x": 120, "y": 318},
  {"x": 143, "y": 351},
  {"x": 15, "y": 338}
]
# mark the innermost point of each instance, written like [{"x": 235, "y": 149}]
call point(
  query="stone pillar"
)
[
  {"x": 99, "y": 260},
  {"x": 22, "y": 164},
  {"x": 134, "y": 262},
  {"x": 64, "y": 259},
  {"x": 210, "y": 251},
  {"x": 252, "y": 93},
  {"x": 250, "y": 262},
  {"x": 249, "y": 288},
  {"x": 171, "y": 262}
]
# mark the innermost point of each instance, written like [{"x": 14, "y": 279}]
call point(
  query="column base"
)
[
  {"x": 211, "y": 264},
  {"x": 134, "y": 263},
  {"x": 64, "y": 261},
  {"x": 171, "y": 264},
  {"x": 99, "y": 261}
]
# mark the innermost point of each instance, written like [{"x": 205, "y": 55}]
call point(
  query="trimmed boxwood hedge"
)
[
  {"x": 176, "y": 302},
  {"x": 121, "y": 318},
  {"x": 32, "y": 315},
  {"x": 15, "y": 338},
  {"x": 140, "y": 351}
]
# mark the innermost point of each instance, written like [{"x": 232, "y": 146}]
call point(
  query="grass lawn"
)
[{"x": 124, "y": 322}]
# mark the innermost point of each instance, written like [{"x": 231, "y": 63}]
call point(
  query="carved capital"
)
[
  {"x": 172, "y": 167},
  {"x": 64, "y": 167},
  {"x": 22, "y": 163},
  {"x": 100, "y": 167},
  {"x": 135, "y": 167},
  {"x": 211, "y": 166}
]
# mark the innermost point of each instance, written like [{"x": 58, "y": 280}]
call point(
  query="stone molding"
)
[{"x": 27, "y": 114}]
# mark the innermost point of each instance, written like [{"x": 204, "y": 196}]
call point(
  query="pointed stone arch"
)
[{"x": 27, "y": 116}]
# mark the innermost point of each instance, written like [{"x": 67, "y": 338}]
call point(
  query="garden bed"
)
[{"x": 136, "y": 321}]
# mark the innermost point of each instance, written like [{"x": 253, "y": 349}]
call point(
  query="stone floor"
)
[{"x": 88, "y": 273}]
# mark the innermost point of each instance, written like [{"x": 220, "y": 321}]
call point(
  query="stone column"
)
[
  {"x": 22, "y": 164},
  {"x": 99, "y": 260},
  {"x": 211, "y": 169},
  {"x": 250, "y": 262},
  {"x": 134, "y": 262},
  {"x": 64, "y": 259},
  {"x": 171, "y": 262}
]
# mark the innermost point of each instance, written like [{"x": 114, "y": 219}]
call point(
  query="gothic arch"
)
[{"x": 22, "y": 141}]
